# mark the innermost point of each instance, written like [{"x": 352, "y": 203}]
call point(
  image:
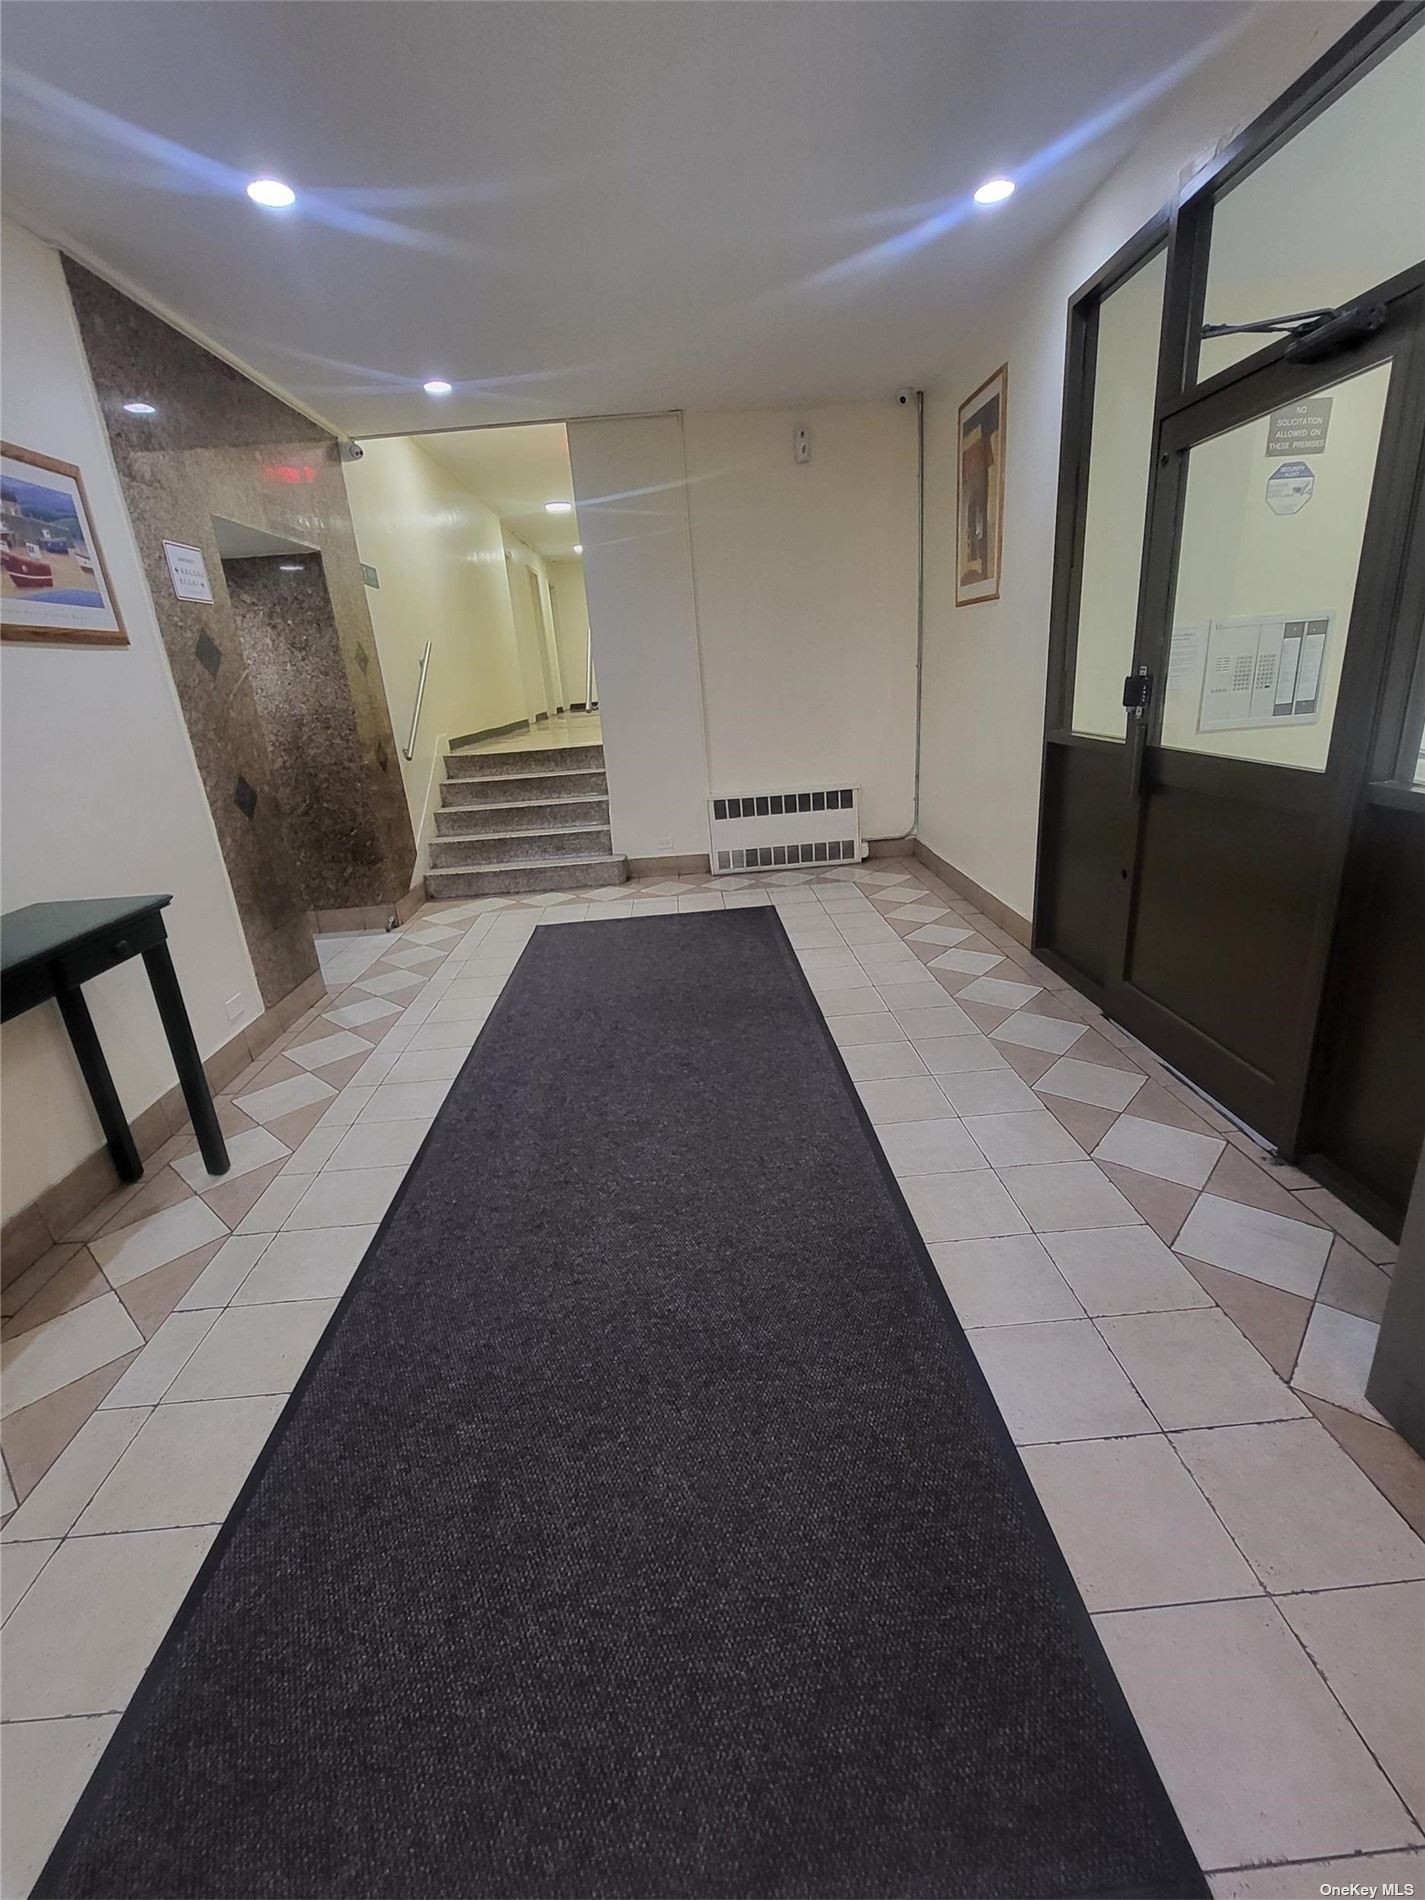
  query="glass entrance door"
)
[{"x": 1270, "y": 590}]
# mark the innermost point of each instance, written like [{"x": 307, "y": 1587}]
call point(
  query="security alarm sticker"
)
[{"x": 1289, "y": 487}]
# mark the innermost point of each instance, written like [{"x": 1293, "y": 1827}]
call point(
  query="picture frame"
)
[
  {"x": 55, "y": 588},
  {"x": 979, "y": 490}
]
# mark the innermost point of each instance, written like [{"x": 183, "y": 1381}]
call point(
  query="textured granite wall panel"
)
[{"x": 221, "y": 446}]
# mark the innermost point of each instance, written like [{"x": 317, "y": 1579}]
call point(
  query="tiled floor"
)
[{"x": 1176, "y": 1330}]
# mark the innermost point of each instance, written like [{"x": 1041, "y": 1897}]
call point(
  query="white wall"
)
[
  {"x": 806, "y": 596},
  {"x": 101, "y": 790},
  {"x": 440, "y": 556},
  {"x": 571, "y": 626},
  {"x": 633, "y": 522},
  {"x": 982, "y": 719},
  {"x": 533, "y": 622}
]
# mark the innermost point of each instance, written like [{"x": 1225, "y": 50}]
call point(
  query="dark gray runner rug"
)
[{"x": 643, "y": 1525}]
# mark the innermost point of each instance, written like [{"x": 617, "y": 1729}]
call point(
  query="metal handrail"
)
[{"x": 409, "y": 748}]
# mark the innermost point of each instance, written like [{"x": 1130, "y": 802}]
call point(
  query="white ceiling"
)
[
  {"x": 614, "y": 206},
  {"x": 515, "y": 472}
]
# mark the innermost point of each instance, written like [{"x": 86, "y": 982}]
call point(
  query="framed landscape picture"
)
[
  {"x": 979, "y": 491},
  {"x": 54, "y": 586}
]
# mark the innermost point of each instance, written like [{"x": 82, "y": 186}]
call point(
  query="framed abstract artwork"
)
[
  {"x": 54, "y": 586},
  {"x": 979, "y": 491}
]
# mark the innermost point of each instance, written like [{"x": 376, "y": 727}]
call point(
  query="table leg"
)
[
  {"x": 103, "y": 1094},
  {"x": 174, "y": 1015}
]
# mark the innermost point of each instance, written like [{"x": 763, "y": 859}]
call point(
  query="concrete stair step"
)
[
  {"x": 582, "y": 758},
  {"x": 563, "y": 842},
  {"x": 524, "y": 786},
  {"x": 548, "y": 874},
  {"x": 535, "y": 814}
]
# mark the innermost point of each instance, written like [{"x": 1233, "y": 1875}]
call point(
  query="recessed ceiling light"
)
[
  {"x": 437, "y": 386},
  {"x": 578, "y": 547},
  {"x": 994, "y": 191},
  {"x": 272, "y": 193},
  {"x": 140, "y": 409},
  {"x": 559, "y": 507},
  {"x": 289, "y": 567}
]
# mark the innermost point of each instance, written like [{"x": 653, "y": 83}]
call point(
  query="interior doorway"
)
[{"x": 1240, "y": 554}]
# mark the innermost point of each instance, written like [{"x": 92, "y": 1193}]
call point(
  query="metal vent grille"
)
[
  {"x": 767, "y": 857},
  {"x": 769, "y": 831}
]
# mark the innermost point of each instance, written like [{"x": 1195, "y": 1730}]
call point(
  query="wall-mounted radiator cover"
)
[{"x": 780, "y": 831}]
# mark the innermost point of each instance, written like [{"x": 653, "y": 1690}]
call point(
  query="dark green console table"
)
[{"x": 51, "y": 950}]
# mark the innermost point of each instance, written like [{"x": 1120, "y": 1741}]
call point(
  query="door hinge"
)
[{"x": 1138, "y": 692}]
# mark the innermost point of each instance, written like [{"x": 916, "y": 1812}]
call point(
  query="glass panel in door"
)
[{"x": 1267, "y": 567}]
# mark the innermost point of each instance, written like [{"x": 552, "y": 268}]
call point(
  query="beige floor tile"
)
[
  {"x": 161, "y": 1360},
  {"x": 1038, "y": 1032},
  {"x": 1090, "y": 1082},
  {"x": 1335, "y": 1360},
  {"x": 854, "y": 1032},
  {"x": 1009, "y": 1281},
  {"x": 960, "y": 1055},
  {"x": 1274, "y": 1321},
  {"x": 1257, "y": 1756},
  {"x": 929, "y": 1025},
  {"x": 1134, "y": 1527},
  {"x": 1349, "y": 1224},
  {"x": 53, "y": 1507},
  {"x": 44, "y": 1767},
  {"x": 353, "y": 1197},
  {"x": 1308, "y": 1880},
  {"x": 253, "y": 1351},
  {"x": 379, "y": 1144},
  {"x": 899, "y": 993},
  {"x": 968, "y": 962},
  {"x": 1058, "y": 1381},
  {"x": 1056, "y": 1196},
  {"x": 879, "y": 1061},
  {"x": 1123, "y": 1270},
  {"x": 1370, "y": 1646},
  {"x": 77, "y": 1281},
  {"x": 274, "y": 1204},
  {"x": 20, "y": 1564},
  {"x": 970, "y": 1206},
  {"x": 1353, "y": 1284},
  {"x": 857, "y": 1000},
  {"x": 87, "y": 1629},
  {"x": 366, "y": 1010},
  {"x": 405, "y": 1101},
  {"x": 281, "y": 1098},
  {"x": 314, "y": 1152},
  {"x": 929, "y": 1147},
  {"x": 317, "y": 1265},
  {"x": 131, "y": 1251},
  {"x": 1020, "y": 1139},
  {"x": 427, "y": 1065},
  {"x": 1303, "y": 1514},
  {"x": 1196, "y": 1369},
  {"x": 224, "y": 1273},
  {"x": 185, "y": 1466},
  {"x": 1173, "y": 1154},
  {"x": 993, "y": 1091},
  {"x": 63, "y": 1350},
  {"x": 1258, "y": 1244},
  {"x": 1163, "y": 1204},
  {"x": 1001, "y": 992},
  {"x": 910, "y": 1098},
  {"x": 252, "y": 1148}
]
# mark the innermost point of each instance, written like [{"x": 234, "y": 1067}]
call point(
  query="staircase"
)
[{"x": 536, "y": 820}]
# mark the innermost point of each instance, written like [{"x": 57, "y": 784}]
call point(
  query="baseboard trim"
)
[
  {"x": 489, "y": 732},
  {"x": 681, "y": 864},
  {"x": 54, "y": 1214},
  {"x": 994, "y": 907},
  {"x": 889, "y": 847}
]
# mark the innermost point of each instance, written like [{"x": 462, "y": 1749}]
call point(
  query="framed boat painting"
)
[
  {"x": 979, "y": 491},
  {"x": 54, "y": 586}
]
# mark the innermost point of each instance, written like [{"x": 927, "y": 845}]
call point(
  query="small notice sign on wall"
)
[
  {"x": 1290, "y": 487},
  {"x": 1301, "y": 428},
  {"x": 188, "y": 571}
]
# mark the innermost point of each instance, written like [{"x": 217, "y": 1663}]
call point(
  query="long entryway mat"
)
[{"x": 643, "y": 1526}]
